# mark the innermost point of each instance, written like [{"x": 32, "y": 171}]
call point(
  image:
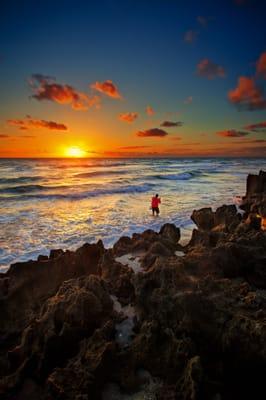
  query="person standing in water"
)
[{"x": 155, "y": 201}]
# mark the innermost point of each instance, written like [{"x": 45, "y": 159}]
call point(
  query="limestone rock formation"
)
[{"x": 74, "y": 325}]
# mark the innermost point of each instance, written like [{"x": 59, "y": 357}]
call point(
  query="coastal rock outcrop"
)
[
  {"x": 27, "y": 285},
  {"x": 188, "y": 323}
]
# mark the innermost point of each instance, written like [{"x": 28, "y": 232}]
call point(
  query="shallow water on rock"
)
[
  {"x": 112, "y": 391},
  {"x": 131, "y": 261},
  {"x": 180, "y": 254},
  {"x": 124, "y": 329}
]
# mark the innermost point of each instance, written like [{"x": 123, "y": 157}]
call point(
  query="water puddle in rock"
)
[
  {"x": 124, "y": 329},
  {"x": 180, "y": 253},
  {"x": 112, "y": 391},
  {"x": 131, "y": 261}
]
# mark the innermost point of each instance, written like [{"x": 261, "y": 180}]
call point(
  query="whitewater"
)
[{"x": 62, "y": 203}]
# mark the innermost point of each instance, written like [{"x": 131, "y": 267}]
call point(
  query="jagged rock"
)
[
  {"x": 4, "y": 286},
  {"x": 189, "y": 384},
  {"x": 31, "y": 283},
  {"x": 78, "y": 308},
  {"x": 204, "y": 238},
  {"x": 255, "y": 199},
  {"x": 156, "y": 249},
  {"x": 203, "y": 218},
  {"x": 138, "y": 243},
  {"x": 245, "y": 258},
  {"x": 155, "y": 349},
  {"x": 170, "y": 232},
  {"x": 122, "y": 246},
  {"x": 42, "y": 258},
  {"x": 118, "y": 278},
  {"x": 253, "y": 221},
  {"x": 55, "y": 253},
  {"x": 168, "y": 236},
  {"x": 256, "y": 184},
  {"x": 86, "y": 373},
  {"x": 226, "y": 217}
]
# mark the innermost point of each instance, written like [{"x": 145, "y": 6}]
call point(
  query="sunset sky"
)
[{"x": 124, "y": 78}]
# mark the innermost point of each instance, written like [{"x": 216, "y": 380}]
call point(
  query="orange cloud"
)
[
  {"x": 150, "y": 111},
  {"x": 232, "y": 133},
  {"x": 154, "y": 132},
  {"x": 259, "y": 127},
  {"x": 128, "y": 117},
  {"x": 191, "y": 36},
  {"x": 108, "y": 88},
  {"x": 210, "y": 70},
  {"x": 170, "y": 124},
  {"x": 4, "y": 136},
  {"x": 30, "y": 123},
  {"x": 45, "y": 88},
  {"x": 261, "y": 65},
  {"x": 247, "y": 95}
]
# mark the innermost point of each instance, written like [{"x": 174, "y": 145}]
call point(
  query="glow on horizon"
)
[{"x": 75, "y": 152}]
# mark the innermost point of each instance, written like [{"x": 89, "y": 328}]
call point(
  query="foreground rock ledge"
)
[{"x": 190, "y": 325}]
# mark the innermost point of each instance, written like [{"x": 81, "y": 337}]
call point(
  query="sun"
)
[{"x": 75, "y": 152}]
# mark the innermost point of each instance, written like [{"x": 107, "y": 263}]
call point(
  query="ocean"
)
[{"x": 63, "y": 203}]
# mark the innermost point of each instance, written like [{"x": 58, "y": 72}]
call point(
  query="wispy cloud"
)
[
  {"x": 232, "y": 133},
  {"x": 170, "y": 124},
  {"x": 108, "y": 88},
  {"x": 2, "y": 136},
  {"x": 191, "y": 144},
  {"x": 208, "y": 69},
  {"x": 259, "y": 127},
  {"x": 175, "y": 138},
  {"x": 261, "y": 66},
  {"x": 204, "y": 21},
  {"x": 154, "y": 132},
  {"x": 45, "y": 88},
  {"x": 247, "y": 95},
  {"x": 150, "y": 111},
  {"x": 133, "y": 147},
  {"x": 188, "y": 100},
  {"x": 128, "y": 117},
  {"x": 249, "y": 141},
  {"x": 30, "y": 123},
  {"x": 191, "y": 36}
]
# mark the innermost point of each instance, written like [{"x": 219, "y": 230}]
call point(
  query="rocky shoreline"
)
[{"x": 147, "y": 319}]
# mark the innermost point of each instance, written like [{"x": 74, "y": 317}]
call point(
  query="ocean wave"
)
[
  {"x": 20, "y": 179},
  {"x": 99, "y": 173},
  {"x": 30, "y": 188},
  {"x": 130, "y": 189},
  {"x": 95, "y": 165},
  {"x": 182, "y": 176}
]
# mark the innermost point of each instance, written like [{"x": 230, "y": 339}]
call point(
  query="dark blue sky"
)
[{"x": 151, "y": 50}]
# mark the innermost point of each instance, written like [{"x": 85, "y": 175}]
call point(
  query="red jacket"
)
[{"x": 155, "y": 201}]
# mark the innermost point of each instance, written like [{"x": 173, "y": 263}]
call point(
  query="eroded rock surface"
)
[{"x": 192, "y": 319}]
